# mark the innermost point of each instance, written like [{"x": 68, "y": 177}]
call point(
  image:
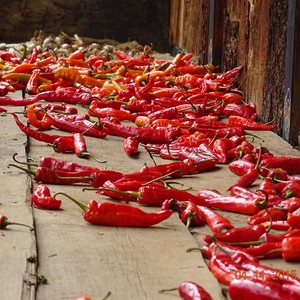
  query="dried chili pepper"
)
[
  {"x": 289, "y": 164},
  {"x": 248, "y": 124},
  {"x": 40, "y": 136},
  {"x": 251, "y": 288},
  {"x": 41, "y": 198},
  {"x": 32, "y": 83},
  {"x": 64, "y": 144},
  {"x": 4, "y": 223},
  {"x": 233, "y": 109},
  {"x": 81, "y": 148},
  {"x": 262, "y": 216},
  {"x": 111, "y": 214},
  {"x": 131, "y": 145},
  {"x": 43, "y": 124}
]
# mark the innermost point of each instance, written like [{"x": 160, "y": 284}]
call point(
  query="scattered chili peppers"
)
[{"x": 41, "y": 198}]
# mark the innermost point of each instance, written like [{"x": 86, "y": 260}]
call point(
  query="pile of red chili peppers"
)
[{"x": 185, "y": 113}]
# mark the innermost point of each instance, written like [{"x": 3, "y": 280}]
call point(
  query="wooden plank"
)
[
  {"x": 133, "y": 263},
  {"x": 291, "y": 110},
  {"x": 18, "y": 243}
]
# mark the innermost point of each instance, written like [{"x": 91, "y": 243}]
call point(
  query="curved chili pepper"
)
[
  {"x": 23, "y": 102},
  {"x": 264, "y": 250},
  {"x": 224, "y": 268},
  {"x": 40, "y": 136},
  {"x": 277, "y": 225},
  {"x": 122, "y": 115},
  {"x": 31, "y": 86},
  {"x": 239, "y": 191},
  {"x": 248, "y": 124},
  {"x": 111, "y": 214},
  {"x": 262, "y": 216},
  {"x": 41, "y": 198},
  {"x": 259, "y": 289},
  {"x": 43, "y": 124}
]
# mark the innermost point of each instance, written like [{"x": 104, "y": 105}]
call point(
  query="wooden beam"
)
[{"x": 291, "y": 124}]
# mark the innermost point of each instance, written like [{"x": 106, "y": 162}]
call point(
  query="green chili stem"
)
[{"x": 82, "y": 206}]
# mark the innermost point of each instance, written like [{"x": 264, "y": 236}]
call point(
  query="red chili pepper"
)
[
  {"x": 251, "y": 106},
  {"x": 264, "y": 250},
  {"x": 155, "y": 196},
  {"x": 292, "y": 189},
  {"x": 262, "y": 216},
  {"x": 145, "y": 135},
  {"x": 185, "y": 167},
  {"x": 63, "y": 95},
  {"x": 81, "y": 148},
  {"x": 23, "y": 102},
  {"x": 122, "y": 115},
  {"x": 31, "y": 86},
  {"x": 43, "y": 124},
  {"x": 247, "y": 179},
  {"x": 289, "y": 164},
  {"x": 240, "y": 167},
  {"x": 220, "y": 148},
  {"x": 215, "y": 221},
  {"x": 41, "y": 198},
  {"x": 259, "y": 289},
  {"x": 241, "y": 235},
  {"x": 237, "y": 204},
  {"x": 80, "y": 126},
  {"x": 46, "y": 175},
  {"x": 239, "y": 191},
  {"x": 277, "y": 225},
  {"x": 233, "y": 109},
  {"x": 191, "y": 216},
  {"x": 40, "y": 136},
  {"x": 191, "y": 291},
  {"x": 131, "y": 145},
  {"x": 294, "y": 219},
  {"x": 64, "y": 144},
  {"x": 238, "y": 152},
  {"x": 277, "y": 174},
  {"x": 224, "y": 268},
  {"x": 4, "y": 223},
  {"x": 111, "y": 214},
  {"x": 248, "y": 124}
]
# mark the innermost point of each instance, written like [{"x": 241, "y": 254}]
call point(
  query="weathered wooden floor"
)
[{"x": 81, "y": 259}]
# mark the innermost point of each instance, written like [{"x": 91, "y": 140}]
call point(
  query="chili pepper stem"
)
[
  {"x": 159, "y": 178},
  {"x": 168, "y": 290},
  {"x": 32, "y": 172},
  {"x": 82, "y": 206},
  {"x": 272, "y": 251},
  {"x": 246, "y": 244},
  {"x": 106, "y": 296},
  {"x": 24, "y": 163},
  {"x": 83, "y": 154},
  {"x": 196, "y": 248}
]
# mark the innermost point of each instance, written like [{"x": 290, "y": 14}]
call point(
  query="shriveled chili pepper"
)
[
  {"x": 4, "y": 223},
  {"x": 41, "y": 198},
  {"x": 111, "y": 214},
  {"x": 248, "y": 124},
  {"x": 215, "y": 221},
  {"x": 43, "y": 124},
  {"x": 259, "y": 289}
]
